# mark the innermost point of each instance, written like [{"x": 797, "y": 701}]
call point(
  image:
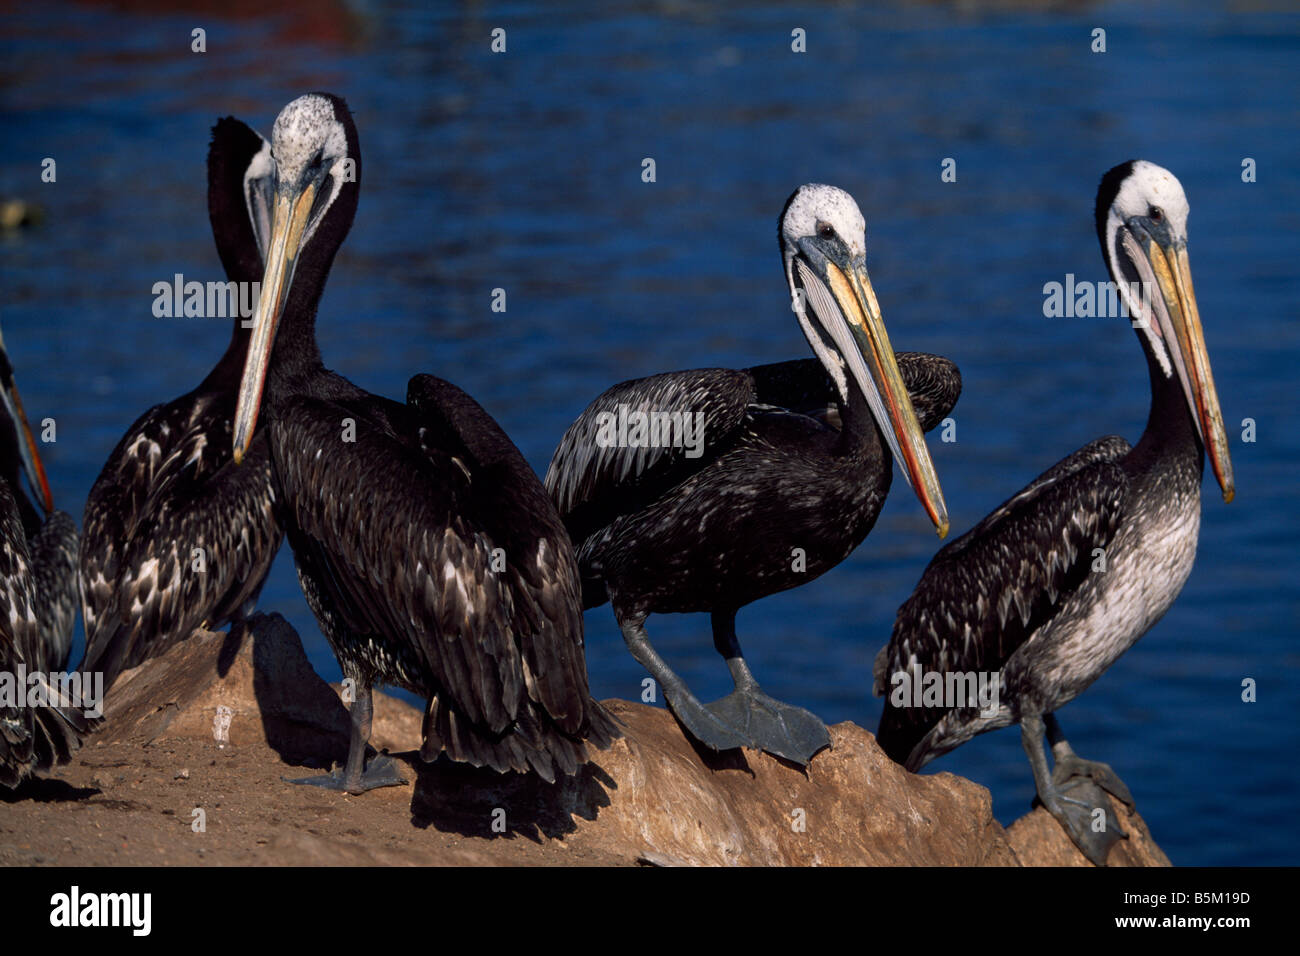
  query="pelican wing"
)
[
  {"x": 432, "y": 538},
  {"x": 18, "y": 639},
  {"x": 802, "y": 385},
  {"x": 175, "y": 535},
  {"x": 601, "y": 469},
  {"x": 53, "y": 552},
  {"x": 985, "y": 594},
  {"x": 31, "y": 738}
]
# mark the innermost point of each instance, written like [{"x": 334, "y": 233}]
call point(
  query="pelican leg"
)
[
  {"x": 1068, "y": 765},
  {"x": 704, "y": 726},
  {"x": 781, "y": 729},
  {"x": 1075, "y": 807},
  {"x": 355, "y": 777}
]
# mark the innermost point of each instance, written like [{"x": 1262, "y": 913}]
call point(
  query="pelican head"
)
[
  {"x": 1142, "y": 225},
  {"x": 292, "y": 188},
  {"x": 823, "y": 247}
]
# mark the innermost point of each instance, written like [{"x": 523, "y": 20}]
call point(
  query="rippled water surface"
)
[{"x": 523, "y": 171}]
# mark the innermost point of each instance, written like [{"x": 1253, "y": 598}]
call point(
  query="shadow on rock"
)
[
  {"x": 478, "y": 802},
  {"x": 302, "y": 719},
  {"x": 45, "y": 790}
]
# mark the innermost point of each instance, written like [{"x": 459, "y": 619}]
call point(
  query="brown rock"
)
[
  {"x": 852, "y": 805},
  {"x": 1034, "y": 839},
  {"x": 652, "y": 798},
  {"x": 259, "y": 671}
]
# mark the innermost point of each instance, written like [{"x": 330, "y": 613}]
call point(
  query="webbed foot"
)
[
  {"x": 779, "y": 728},
  {"x": 382, "y": 771}
]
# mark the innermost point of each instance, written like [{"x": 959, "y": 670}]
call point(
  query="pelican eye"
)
[
  {"x": 1155, "y": 214},
  {"x": 825, "y": 230}
]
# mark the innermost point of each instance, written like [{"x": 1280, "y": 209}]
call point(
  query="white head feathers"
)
[
  {"x": 816, "y": 204},
  {"x": 1150, "y": 186},
  {"x": 305, "y": 127}
]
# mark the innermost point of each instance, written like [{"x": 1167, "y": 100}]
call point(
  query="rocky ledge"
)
[{"x": 156, "y": 787}]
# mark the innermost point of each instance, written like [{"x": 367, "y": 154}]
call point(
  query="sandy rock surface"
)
[{"x": 156, "y": 787}]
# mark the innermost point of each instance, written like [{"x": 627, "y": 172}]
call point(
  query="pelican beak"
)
[
  {"x": 26, "y": 441},
  {"x": 856, "y": 326},
  {"x": 1178, "y": 322},
  {"x": 288, "y": 221}
]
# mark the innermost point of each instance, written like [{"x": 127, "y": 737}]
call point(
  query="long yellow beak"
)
[
  {"x": 884, "y": 388},
  {"x": 1192, "y": 361},
  {"x": 288, "y": 219}
]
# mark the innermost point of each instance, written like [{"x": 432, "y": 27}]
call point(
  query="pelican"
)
[
  {"x": 792, "y": 466},
  {"x": 1065, "y": 576},
  {"x": 425, "y": 544},
  {"x": 38, "y": 602},
  {"x": 175, "y": 537}
]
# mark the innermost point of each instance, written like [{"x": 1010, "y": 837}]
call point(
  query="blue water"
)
[{"x": 523, "y": 171}]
